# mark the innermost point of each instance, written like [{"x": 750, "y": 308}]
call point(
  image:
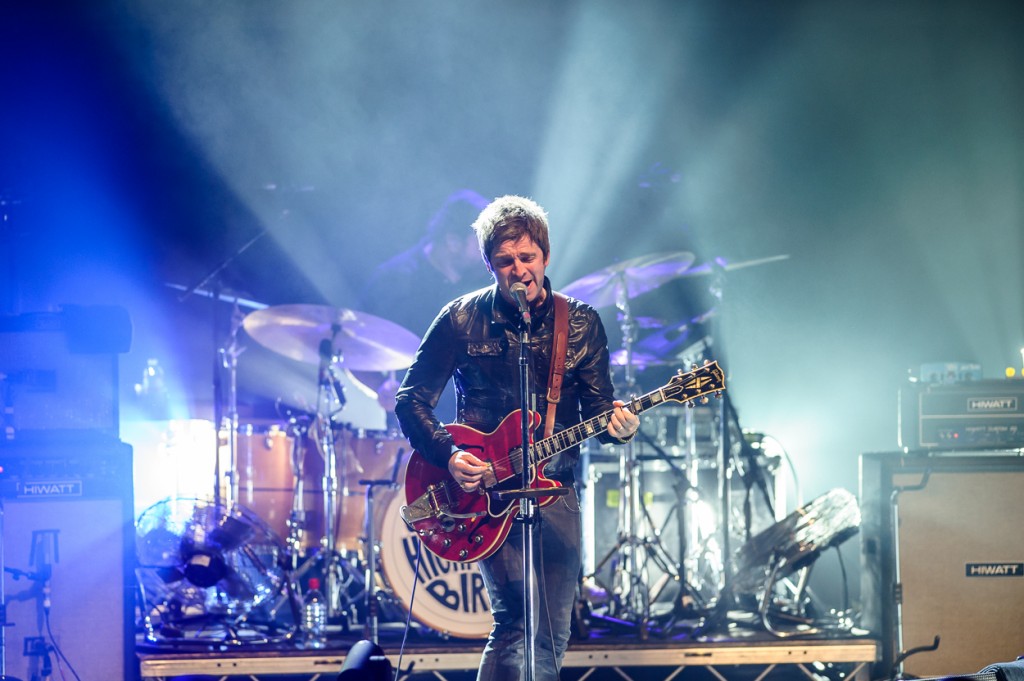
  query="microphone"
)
[{"x": 518, "y": 291}]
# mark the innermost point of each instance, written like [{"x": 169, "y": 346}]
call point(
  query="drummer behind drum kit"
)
[{"x": 312, "y": 497}]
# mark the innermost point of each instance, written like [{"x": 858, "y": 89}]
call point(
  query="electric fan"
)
[{"x": 210, "y": 574}]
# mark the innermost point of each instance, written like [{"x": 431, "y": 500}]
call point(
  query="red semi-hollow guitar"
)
[{"x": 467, "y": 526}]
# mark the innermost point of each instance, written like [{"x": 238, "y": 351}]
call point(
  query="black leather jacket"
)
[{"x": 475, "y": 339}]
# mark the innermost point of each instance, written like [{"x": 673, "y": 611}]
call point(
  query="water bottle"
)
[{"x": 314, "y": 616}]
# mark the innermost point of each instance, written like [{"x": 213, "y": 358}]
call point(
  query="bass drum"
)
[{"x": 450, "y": 597}]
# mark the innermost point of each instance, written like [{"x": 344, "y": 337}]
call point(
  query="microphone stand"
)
[
  {"x": 527, "y": 503},
  {"x": 224, "y": 358},
  {"x": 752, "y": 473}
]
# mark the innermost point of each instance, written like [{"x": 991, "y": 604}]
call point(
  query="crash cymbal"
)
[
  {"x": 362, "y": 341},
  {"x": 629, "y": 278}
]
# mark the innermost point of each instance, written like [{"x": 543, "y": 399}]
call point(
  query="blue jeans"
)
[{"x": 557, "y": 564}]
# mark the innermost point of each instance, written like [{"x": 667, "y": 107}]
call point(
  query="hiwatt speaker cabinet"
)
[
  {"x": 67, "y": 537},
  {"x": 942, "y": 541}
]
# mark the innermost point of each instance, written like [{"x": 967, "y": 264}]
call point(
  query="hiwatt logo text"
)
[
  {"x": 1002, "y": 404},
  {"x": 995, "y": 569},
  {"x": 50, "y": 488}
]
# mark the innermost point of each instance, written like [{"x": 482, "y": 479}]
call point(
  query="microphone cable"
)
[
  {"x": 542, "y": 586},
  {"x": 412, "y": 602},
  {"x": 49, "y": 632}
]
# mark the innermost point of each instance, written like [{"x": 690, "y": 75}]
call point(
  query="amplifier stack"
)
[
  {"x": 967, "y": 415},
  {"x": 66, "y": 496}
]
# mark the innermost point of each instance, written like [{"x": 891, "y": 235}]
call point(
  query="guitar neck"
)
[
  {"x": 570, "y": 437},
  {"x": 683, "y": 388}
]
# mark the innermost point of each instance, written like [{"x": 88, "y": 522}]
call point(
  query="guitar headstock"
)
[{"x": 700, "y": 382}]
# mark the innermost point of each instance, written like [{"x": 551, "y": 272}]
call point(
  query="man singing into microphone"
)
[{"x": 475, "y": 341}]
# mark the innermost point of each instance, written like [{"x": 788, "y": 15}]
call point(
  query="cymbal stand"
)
[
  {"x": 229, "y": 360},
  {"x": 630, "y": 573},
  {"x": 719, "y": 615},
  {"x": 700, "y": 562},
  {"x": 689, "y": 598},
  {"x": 297, "y": 517},
  {"x": 328, "y": 392}
]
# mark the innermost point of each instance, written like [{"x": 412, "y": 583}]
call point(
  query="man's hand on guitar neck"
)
[
  {"x": 623, "y": 424},
  {"x": 470, "y": 472}
]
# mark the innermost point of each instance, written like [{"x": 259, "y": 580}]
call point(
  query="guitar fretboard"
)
[{"x": 682, "y": 388}]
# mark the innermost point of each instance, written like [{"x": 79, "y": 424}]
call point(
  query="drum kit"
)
[
  {"x": 313, "y": 497},
  {"x": 309, "y": 497}
]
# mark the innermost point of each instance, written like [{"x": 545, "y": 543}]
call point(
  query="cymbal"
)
[
  {"x": 641, "y": 360},
  {"x": 629, "y": 278},
  {"x": 658, "y": 348},
  {"x": 721, "y": 264},
  {"x": 362, "y": 341},
  {"x": 667, "y": 345}
]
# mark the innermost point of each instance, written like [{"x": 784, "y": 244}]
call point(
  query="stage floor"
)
[{"x": 751, "y": 655}]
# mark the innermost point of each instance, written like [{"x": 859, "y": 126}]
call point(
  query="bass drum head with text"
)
[{"x": 450, "y": 597}]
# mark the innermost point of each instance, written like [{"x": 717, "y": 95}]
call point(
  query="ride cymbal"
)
[{"x": 362, "y": 341}]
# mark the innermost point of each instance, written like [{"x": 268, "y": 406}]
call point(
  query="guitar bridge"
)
[{"x": 414, "y": 513}]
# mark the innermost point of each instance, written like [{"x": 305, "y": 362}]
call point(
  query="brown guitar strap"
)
[{"x": 560, "y": 342}]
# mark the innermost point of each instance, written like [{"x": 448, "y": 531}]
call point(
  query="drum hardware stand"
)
[
  {"x": 370, "y": 590},
  {"x": 688, "y": 601},
  {"x": 297, "y": 517},
  {"x": 630, "y": 575},
  {"x": 752, "y": 475},
  {"x": 329, "y": 390},
  {"x": 229, "y": 360},
  {"x": 726, "y": 600},
  {"x": 226, "y": 358},
  {"x": 338, "y": 576},
  {"x": 696, "y": 545}
]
